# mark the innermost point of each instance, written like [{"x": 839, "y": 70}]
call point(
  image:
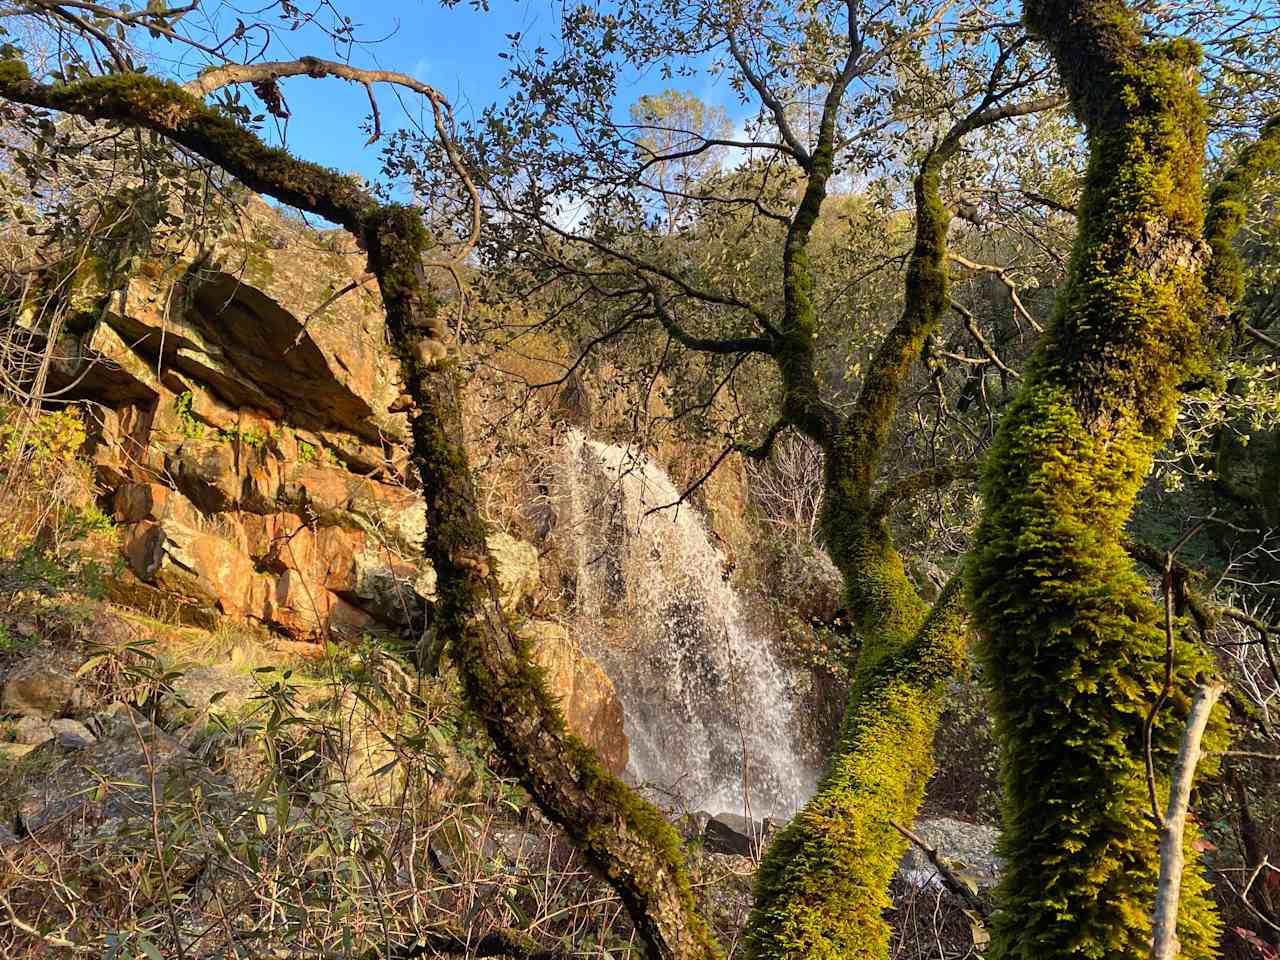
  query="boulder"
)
[
  {"x": 585, "y": 693},
  {"x": 69, "y": 733},
  {"x": 40, "y": 687},
  {"x": 31, "y": 731},
  {"x": 11, "y": 753},
  {"x": 967, "y": 848},
  {"x": 103, "y": 791},
  {"x": 730, "y": 833},
  {"x": 516, "y": 569},
  {"x": 811, "y": 585},
  {"x": 208, "y": 690}
]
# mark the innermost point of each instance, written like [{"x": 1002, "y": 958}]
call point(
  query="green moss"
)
[
  {"x": 13, "y": 69},
  {"x": 823, "y": 888},
  {"x": 1072, "y": 646},
  {"x": 1224, "y": 274},
  {"x": 166, "y": 108}
]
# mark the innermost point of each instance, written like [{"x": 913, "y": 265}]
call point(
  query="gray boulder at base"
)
[
  {"x": 734, "y": 834},
  {"x": 967, "y": 848},
  {"x": 71, "y": 734},
  {"x": 209, "y": 690},
  {"x": 129, "y": 752}
]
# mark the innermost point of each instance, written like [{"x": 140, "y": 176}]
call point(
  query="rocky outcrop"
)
[
  {"x": 244, "y": 435},
  {"x": 243, "y": 432}
]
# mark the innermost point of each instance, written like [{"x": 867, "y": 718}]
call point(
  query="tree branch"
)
[
  {"x": 1172, "y": 857},
  {"x": 703, "y": 344},
  {"x": 767, "y": 97},
  {"x": 954, "y": 884},
  {"x": 917, "y": 483},
  {"x": 1009, "y": 283}
]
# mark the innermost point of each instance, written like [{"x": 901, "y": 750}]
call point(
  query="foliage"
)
[{"x": 188, "y": 425}]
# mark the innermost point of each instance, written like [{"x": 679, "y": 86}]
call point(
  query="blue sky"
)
[{"x": 455, "y": 50}]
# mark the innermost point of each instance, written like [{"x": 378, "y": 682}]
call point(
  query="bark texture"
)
[{"x": 1071, "y": 643}]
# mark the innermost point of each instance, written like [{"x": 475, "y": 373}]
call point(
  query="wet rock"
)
[
  {"x": 691, "y": 826},
  {"x": 730, "y": 833},
  {"x": 967, "y": 848}
]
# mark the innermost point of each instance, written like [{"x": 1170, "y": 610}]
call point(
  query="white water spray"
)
[{"x": 708, "y": 711}]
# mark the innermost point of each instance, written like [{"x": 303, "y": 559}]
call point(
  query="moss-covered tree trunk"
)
[
  {"x": 823, "y": 886},
  {"x": 1071, "y": 643},
  {"x": 626, "y": 839}
]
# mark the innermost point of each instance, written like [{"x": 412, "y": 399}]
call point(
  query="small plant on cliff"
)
[
  {"x": 249, "y": 436},
  {"x": 306, "y": 452},
  {"x": 188, "y": 425},
  {"x": 13, "y": 642}
]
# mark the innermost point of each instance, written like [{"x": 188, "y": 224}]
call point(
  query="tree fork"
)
[
  {"x": 623, "y": 837},
  {"x": 823, "y": 886}
]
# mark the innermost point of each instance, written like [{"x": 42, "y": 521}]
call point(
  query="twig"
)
[
  {"x": 1148, "y": 725},
  {"x": 949, "y": 879}
]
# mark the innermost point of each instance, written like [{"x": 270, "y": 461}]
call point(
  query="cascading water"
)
[{"x": 707, "y": 708}]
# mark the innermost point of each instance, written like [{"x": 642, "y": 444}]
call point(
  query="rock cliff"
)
[{"x": 247, "y": 433}]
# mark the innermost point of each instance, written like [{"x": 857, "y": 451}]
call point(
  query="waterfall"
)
[{"x": 703, "y": 697}]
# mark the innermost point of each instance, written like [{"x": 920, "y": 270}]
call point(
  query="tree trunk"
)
[
  {"x": 823, "y": 887},
  {"x": 1072, "y": 645}
]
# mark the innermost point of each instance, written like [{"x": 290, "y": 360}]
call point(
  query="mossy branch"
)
[
  {"x": 920, "y": 482},
  {"x": 623, "y": 837},
  {"x": 823, "y": 887},
  {"x": 1224, "y": 273}
]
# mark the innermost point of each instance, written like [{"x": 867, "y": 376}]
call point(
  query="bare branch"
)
[
  {"x": 1261, "y": 337},
  {"x": 949, "y": 879},
  {"x": 971, "y": 324},
  {"x": 770, "y": 100},
  {"x": 1165, "y": 919},
  {"x": 1009, "y": 283},
  {"x": 1148, "y": 725}
]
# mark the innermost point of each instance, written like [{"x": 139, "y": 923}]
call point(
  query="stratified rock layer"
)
[{"x": 244, "y": 439}]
